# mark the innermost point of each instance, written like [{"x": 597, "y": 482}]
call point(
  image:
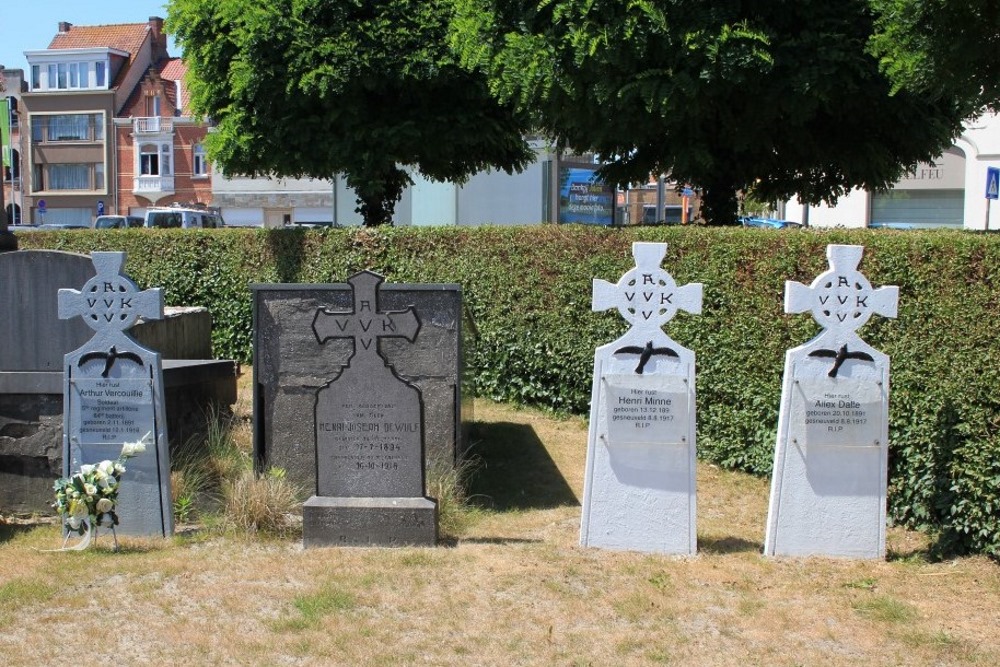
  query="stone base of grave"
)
[{"x": 363, "y": 522}]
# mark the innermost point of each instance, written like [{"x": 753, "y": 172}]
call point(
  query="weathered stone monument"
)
[
  {"x": 639, "y": 485},
  {"x": 113, "y": 394},
  {"x": 290, "y": 366},
  {"x": 366, "y": 426},
  {"x": 830, "y": 464}
]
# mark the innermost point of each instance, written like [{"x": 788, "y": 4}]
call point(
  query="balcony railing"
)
[
  {"x": 153, "y": 184},
  {"x": 152, "y": 125}
]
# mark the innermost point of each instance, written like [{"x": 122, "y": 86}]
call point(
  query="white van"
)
[{"x": 183, "y": 218}]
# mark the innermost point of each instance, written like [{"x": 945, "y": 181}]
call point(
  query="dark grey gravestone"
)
[
  {"x": 369, "y": 436},
  {"x": 289, "y": 368},
  {"x": 113, "y": 394}
]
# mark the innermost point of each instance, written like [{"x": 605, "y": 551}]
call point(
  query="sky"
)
[{"x": 29, "y": 25}]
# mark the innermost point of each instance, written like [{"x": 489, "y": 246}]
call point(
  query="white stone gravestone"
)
[
  {"x": 639, "y": 486},
  {"x": 113, "y": 393},
  {"x": 829, "y": 480}
]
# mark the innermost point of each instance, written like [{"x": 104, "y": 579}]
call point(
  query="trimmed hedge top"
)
[{"x": 528, "y": 290}]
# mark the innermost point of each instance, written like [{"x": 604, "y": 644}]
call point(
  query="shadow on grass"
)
[
  {"x": 728, "y": 545},
  {"x": 514, "y": 471},
  {"x": 9, "y": 531}
]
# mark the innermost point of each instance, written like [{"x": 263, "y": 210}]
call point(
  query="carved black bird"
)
[
  {"x": 110, "y": 357},
  {"x": 645, "y": 353},
  {"x": 839, "y": 357}
]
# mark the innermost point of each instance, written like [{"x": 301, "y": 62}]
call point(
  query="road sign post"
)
[{"x": 992, "y": 190}]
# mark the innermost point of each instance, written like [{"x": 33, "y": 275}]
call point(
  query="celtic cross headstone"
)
[
  {"x": 639, "y": 485},
  {"x": 828, "y": 488},
  {"x": 369, "y": 435},
  {"x": 113, "y": 393}
]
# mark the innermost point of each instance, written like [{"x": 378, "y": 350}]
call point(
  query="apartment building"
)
[{"x": 105, "y": 117}]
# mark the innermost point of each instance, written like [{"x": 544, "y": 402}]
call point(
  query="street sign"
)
[
  {"x": 100, "y": 207},
  {"x": 992, "y": 182},
  {"x": 41, "y": 206}
]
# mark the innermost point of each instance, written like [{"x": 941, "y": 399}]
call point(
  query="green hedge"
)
[{"x": 529, "y": 292}]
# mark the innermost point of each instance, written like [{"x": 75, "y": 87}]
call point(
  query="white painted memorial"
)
[
  {"x": 113, "y": 394},
  {"x": 639, "y": 486},
  {"x": 830, "y": 463}
]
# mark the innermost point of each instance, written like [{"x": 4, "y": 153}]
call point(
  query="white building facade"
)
[{"x": 950, "y": 192}]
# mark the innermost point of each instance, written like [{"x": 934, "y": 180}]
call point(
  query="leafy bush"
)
[{"x": 528, "y": 290}]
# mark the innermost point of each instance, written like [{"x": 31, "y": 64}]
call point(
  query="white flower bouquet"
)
[{"x": 92, "y": 493}]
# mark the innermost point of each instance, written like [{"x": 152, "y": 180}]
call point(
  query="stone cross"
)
[
  {"x": 841, "y": 299},
  {"x": 110, "y": 302},
  {"x": 647, "y": 296},
  {"x": 364, "y": 324}
]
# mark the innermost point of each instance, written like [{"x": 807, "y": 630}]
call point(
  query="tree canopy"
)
[
  {"x": 316, "y": 87},
  {"x": 941, "y": 48},
  {"x": 777, "y": 96}
]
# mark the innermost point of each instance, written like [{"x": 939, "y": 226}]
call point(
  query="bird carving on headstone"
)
[
  {"x": 645, "y": 353},
  {"x": 110, "y": 357},
  {"x": 839, "y": 357}
]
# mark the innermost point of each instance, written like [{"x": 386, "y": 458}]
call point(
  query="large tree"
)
[
  {"x": 777, "y": 96},
  {"x": 355, "y": 87},
  {"x": 941, "y": 48}
]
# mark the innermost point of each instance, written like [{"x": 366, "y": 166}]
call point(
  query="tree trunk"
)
[
  {"x": 378, "y": 191},
  {"x": 719, "y": 205}
]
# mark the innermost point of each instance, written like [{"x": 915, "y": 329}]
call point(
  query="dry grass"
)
[{"x": 513, "y": 588}]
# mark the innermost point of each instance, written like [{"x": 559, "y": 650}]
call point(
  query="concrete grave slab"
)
[
  {"x": 639, "y": 484},
  {"x": 828, "y": 489}
]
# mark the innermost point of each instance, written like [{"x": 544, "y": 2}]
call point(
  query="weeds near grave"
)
[
  {"x": 446, "y": 482},
  {"x": 204, "y": 463},
  {"x": 260, "y": 503}
]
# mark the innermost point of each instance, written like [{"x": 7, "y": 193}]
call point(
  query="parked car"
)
[
  {"x": 53, "y": 226},
  {"x": 117, "y": 221},
  {"x": 183, "y": 218},
  {"x": 902, "y": 226},
  {"x": 769, "y": 223}
]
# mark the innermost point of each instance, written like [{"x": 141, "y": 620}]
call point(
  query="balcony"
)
[
  {"x": 153, "y": 187},
  {"x": 152, "y": 125}
]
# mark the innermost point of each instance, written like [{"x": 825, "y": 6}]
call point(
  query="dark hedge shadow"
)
[{"x": 514, "y": 471}]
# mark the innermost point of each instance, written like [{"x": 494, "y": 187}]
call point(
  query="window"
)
[
  {"x": 36, "y": 77},
  {"x": 52, "y": 76},
  {"x": 99, "y": 72},
  {"x": 69, "y": 177},
  {"x": 153, "y": 106},
  {"x": 149, "y": 160},
  {"x": 62, "y": 75},
  {"x": 74, "y": 75},
  {"x": 165, "y": 159},
  {"x": 67, "y": 127},
  {"x": 77, "y": 176},
  {"x": 13, "y": 112},
  {"x": 200, "y": 164}
]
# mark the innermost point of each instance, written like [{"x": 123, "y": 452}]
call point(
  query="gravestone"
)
[
  {"x": 639, "y": 485},
  {"x": 31, "y": 371},
  {"x": 113, "y": 393},
  {"x": 369, "y": 434},
  {"x": 289, "y": 367},
  {"x": 828, "y": 487}
]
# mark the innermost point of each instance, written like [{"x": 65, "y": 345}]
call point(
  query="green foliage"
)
[
  {"x": 314, "y": 88},
  {"x": 778, "y": 95},
  {"x": 942, "y": 49},
  {"x": 528, "y": 291}
]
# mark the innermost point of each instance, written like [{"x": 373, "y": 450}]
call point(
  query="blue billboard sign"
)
[{"x": 583, "y": 198}]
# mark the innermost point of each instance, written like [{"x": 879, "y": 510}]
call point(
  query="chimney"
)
[
  {"x": 64, "y": 26},
  {"x": 159, "y": 38}
]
